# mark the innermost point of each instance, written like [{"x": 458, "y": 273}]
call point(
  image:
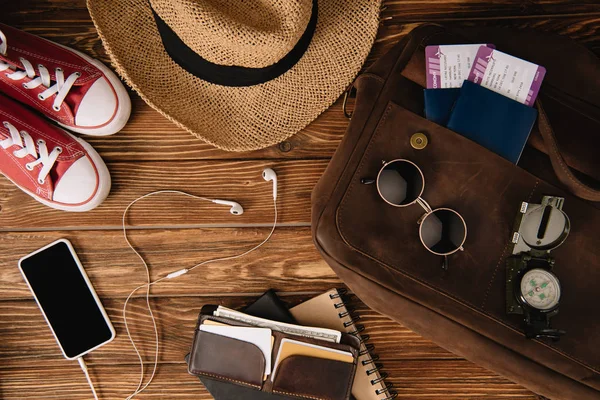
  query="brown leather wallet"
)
[{"x": 243, "y": 364}]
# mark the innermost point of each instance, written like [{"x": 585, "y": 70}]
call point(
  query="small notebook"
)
[{"x": 328, "y": 310}]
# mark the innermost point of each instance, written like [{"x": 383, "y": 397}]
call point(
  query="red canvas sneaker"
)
[
  {"x": 74, "y": 90},
  {"x": 48, "y": 163}
]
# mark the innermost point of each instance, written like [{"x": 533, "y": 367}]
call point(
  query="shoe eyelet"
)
[
  {"x": 78, "y": 74},
  {"x": 59, "y": 69},
  {"x": 58, "y": 149},
  {"x": 42, "y": 98},
  {"x": 40, "y": 142},
  {"x": 24, "y": 85},
  {"x": 5, "y": 124},
  {"x": 29, "y": 167},
  {"x": 56, "y": 108},
  {"x": 41, "y": 181},
  {"x": 40, "y": 66}
]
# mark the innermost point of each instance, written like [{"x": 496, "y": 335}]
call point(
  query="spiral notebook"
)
[{"x": 329, "y": 310}]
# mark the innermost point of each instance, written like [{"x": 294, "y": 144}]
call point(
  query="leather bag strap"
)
[{"x": 562, "y": 170}]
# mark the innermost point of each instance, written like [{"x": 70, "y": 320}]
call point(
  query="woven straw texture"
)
[
  {"x": 238, "y": 118},
  {"x": 253, "y": 34}
]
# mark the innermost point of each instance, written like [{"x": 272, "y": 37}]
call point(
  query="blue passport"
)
[
  {"x": 439, "y": 103},
  {"x": 494, "y": 121}
]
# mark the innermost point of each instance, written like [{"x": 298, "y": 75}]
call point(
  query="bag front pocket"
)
[
  {"x": 487, "y": 191},
  {"x": 227, "y": 359},
  {"x": 484, "y": 188}
]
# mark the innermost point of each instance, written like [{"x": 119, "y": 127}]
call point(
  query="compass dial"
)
[{"x": 540, "y": 289}]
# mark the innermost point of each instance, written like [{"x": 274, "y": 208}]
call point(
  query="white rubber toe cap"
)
[
  {"x": 78, "y": 184},
  {"x": 98, "y": 106}
]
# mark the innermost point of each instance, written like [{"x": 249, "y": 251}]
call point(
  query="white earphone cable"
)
[
  {"x": 172, "y": 275},
  {"x": 87, "y": 376}
]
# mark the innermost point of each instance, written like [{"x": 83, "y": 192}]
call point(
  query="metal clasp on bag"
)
[
  {"x": 419, "y": 141},
  {"x": 347, "y": 94}
]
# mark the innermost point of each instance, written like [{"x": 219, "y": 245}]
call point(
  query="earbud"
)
[
  {"x": 270, "y": 175},
  {"x": 236, "y": 208}
]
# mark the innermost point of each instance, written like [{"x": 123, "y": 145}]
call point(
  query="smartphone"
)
[{"x": 67, "y": 299}]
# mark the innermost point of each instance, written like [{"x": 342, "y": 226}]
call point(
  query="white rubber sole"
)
[
  {"x": 123, "y": 111},
  {"x": 104, "y": 184}
]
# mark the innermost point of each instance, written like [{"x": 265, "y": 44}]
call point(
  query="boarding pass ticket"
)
[
  {"x": 448, "y": 66},
  {"x": 510, "y": 76}
]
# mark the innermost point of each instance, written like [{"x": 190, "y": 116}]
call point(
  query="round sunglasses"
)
[{"x": 442, "y": 231}]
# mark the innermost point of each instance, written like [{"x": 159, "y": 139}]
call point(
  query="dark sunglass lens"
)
[
  {"x": 400, "y": 183},
  {"x": 443, "y": 231}
]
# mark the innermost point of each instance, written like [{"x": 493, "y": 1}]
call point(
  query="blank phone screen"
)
[{"x": 65, "y": 298}]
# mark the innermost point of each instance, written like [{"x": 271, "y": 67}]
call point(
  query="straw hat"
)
[{"x": 239, "y": 74}]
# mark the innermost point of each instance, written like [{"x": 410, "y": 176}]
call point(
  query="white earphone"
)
[
  {"x": 236, "y": 209},
  {"x": 270, "y": 175}
]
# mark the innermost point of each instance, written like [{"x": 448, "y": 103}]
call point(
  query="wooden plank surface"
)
[
  {"x": 174, "y": 232},
  {"x": 115, "y": 269},
  {"x": 177, "y": 316},
  {"x": 444, "y": 379},
  {"x": 230, "y": 180}
]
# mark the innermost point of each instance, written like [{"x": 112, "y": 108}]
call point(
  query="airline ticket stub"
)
[
  {"x": 448, "y": 66},
  {"x": 510, "y": 76}
]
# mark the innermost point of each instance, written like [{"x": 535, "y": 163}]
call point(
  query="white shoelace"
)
[
  {"x": 61, "y": 87},
  {"x": 25, "y": 141}
]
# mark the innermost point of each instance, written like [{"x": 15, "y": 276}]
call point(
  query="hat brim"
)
[{"x": 239, "y": 118}]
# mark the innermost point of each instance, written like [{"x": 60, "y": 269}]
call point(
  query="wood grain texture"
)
[
  {"x": 26, "y": 339},
  {"x": 288, "y": 262},
  {"x": 239, "y": 181},
  {"x": 444, "y": 10},
  {"x": 445, "y": 379},
  {"x": 73, "y": 12}
]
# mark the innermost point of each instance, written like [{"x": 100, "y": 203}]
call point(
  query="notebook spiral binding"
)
[{"x": 369, "y": 347}]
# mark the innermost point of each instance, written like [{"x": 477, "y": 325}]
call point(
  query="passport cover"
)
[
  {"x": 492, "y": 120},
  {"x": 439, "y": 103}
]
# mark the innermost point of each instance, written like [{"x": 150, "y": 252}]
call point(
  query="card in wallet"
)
[
  {"x": 492, "y": 120},
  {"x": 291, "y": 347},
  {"x": 439, "y": 103}
]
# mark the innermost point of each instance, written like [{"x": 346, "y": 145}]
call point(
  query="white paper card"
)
[
  {"x": 260, "y": 337},
  {"x": 510, "y": 76}
]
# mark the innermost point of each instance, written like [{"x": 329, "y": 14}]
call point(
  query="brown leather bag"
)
[{"x": 376, "y": 250}]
